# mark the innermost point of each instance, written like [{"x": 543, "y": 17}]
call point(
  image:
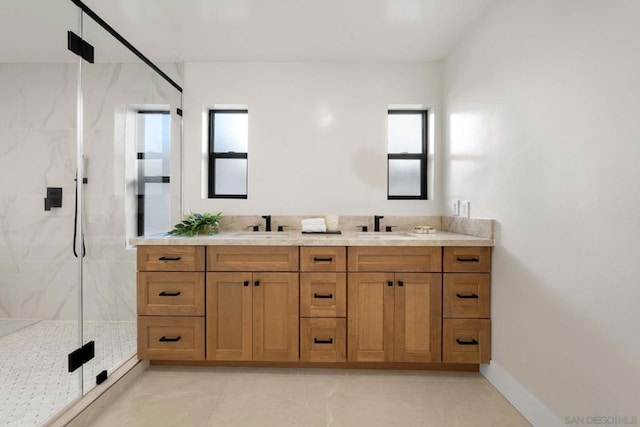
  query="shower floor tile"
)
[{"x": 34, "y": 380}]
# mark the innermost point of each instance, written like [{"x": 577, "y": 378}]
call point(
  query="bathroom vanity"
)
[{"x": 376, "y": 300}]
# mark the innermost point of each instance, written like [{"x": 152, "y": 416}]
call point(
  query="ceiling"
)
[{"x": 244, "y": 30}]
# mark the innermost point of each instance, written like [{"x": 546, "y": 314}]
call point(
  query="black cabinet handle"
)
[
  {"x": 472, "y": 296},
  {"x": 165, "y": 339},
  {"x": 317, "y": 341},
  {"x": 256, "y": 283},
  {"x": 472, "y": 342},
  {"x": 472, "y": 259},
  {"x": 168, "y": 294},
  {"x": 400, "y": 283},
  {"x": 246, "y": 283},
  {"x": 168, "y": 258},
  {"x": 320, "y": 296},
  {"x": 389, "y": 283},
  {"x": 319, "y": 259}
]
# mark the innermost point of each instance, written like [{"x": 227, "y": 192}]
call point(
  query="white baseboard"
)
[{"x": 531, "y": 408}]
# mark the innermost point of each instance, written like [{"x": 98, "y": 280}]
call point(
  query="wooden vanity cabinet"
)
[
  {"x": 394, "y": 316},
  {"x": 341, "y": 305},
  {"x": 252, "y": 315},
  {"x": 170, "y": 302}
]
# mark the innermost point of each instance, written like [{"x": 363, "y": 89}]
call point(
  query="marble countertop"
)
[{"x": 296, "y": 238}]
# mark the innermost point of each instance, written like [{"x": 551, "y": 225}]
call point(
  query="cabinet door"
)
[
  {"x": 275, "y": 316},
  {"x": 370, "y": 320},
  {"x": 418, "y": 317},
  {"x": 229, "y": 316}
]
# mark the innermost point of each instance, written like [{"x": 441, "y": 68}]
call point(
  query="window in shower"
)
[{"x": 153, "y": 167}]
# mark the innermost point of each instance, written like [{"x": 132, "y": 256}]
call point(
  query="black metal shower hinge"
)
[
  {"x": 179, "y": 111},
  {"x": 101, "y": 377},
  {"x": 80, "y": 47},
  {"x": 82, "y": 355}
]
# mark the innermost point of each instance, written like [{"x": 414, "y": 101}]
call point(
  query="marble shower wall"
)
[{"x": 38, "y": 272}]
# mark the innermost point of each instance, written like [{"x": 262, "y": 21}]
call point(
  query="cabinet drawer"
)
[
  {"x": 323, "y": 294},
  {"x": 170, "y": 338},
  {"x": 252, "y": 258},
  {"x": 466, "y": 341},
  {"x": 467, "y": 259},
  {"x": 466, "y": 295},
  {"x": 402, "y": 259},
  {"x": 323, "y": 258},
  {"x": 170, "y": 294},
  {"x": 170, "y": 258},
  {"x": 323, "y": 339}
]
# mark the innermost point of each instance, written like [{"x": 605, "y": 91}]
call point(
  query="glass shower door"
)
[
  {"x": 131, "y": 148},
  {"x": 39, "y": 275}
]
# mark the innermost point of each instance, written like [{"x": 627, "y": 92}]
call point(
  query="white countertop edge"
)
[{"x": 293, "y": 238}]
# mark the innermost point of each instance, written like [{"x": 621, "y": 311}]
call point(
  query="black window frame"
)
[
  {"x": 412, "y": 156},
  {"x": 213, "y": 155}
]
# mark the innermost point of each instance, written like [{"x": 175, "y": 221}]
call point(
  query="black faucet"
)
[
  {"x": 267, "y": 222},
  {"x": 376, "y": 222}
]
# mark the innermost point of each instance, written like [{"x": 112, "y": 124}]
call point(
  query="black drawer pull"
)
[
  {"x": 319, "y": 259},
  {"x": 472, "y": 342},
  {"x": 389, "y": 283},
  {"x": 256, "y": 283},
  {"x": 168, "y": 258},
  {"x": 472, "y": 296},
  {"x": 246, "y": 283},
  {"x": 400, "y": 283},
  {"x": 320, "y": 296},
  {"x": 472, "y": 259},
  {"x": 317, "y": 341},
  {"x": 169, "y": 294},
  {"x": 165, "y": 339}
]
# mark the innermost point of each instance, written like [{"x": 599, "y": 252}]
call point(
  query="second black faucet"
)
[
  {"x": 267, "y": 225},
  {"x": 376, "y": 222}
]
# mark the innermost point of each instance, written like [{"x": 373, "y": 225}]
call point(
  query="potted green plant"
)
[{"x": 196, "y": 223}]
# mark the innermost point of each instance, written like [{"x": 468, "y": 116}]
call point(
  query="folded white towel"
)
[{"x": 314, "y": 225}]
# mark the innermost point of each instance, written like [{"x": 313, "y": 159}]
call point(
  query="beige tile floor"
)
[{"x": 206, "y": 396}]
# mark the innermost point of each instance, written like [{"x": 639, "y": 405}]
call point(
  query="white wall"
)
[
  {"x": 317, "y": 134},
  {"x": 542, "y": 104}
]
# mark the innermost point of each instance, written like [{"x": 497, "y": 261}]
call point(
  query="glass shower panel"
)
[
  {"x": 132, "y": 156},
  {"x": 39, "y": 275}
]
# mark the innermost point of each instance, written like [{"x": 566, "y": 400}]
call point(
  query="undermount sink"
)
[
  {"x": 382, "y": 235},
  {"x": 262, "y": 234}
]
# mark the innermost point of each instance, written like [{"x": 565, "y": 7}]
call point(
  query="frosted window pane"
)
[
  {"x": 405, "y": 133},
  {"x": 230, "y": 132},
  {"x": 153, "y": 167},
  {"x": 231, "y": 176},
  {"x": 157, "y": 218},
  {"x": 404, "y": 178}
]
